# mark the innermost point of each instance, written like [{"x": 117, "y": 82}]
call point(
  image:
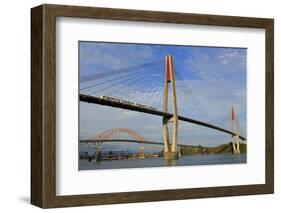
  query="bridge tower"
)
[
  {"x": 234, "y": 128},
  {"x": 170, "y": 150}
]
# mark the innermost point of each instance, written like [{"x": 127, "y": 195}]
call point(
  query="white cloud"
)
[
  {"x": 224, "y": 61},
  {"x": 221, "y": 64}
]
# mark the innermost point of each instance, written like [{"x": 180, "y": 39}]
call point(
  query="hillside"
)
[{"x": 224, "y": 148}]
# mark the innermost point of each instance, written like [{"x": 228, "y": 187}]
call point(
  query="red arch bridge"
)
[{"x": 119, "y": 135}]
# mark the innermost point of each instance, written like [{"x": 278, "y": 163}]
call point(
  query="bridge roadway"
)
[
  {"x": 127, "y": 141},
  {"x": 102, "y": 101}
]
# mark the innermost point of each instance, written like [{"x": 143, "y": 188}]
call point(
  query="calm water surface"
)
[{"x": 159, "y": 162}]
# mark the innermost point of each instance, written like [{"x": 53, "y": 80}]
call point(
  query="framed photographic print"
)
[{"x": 137, "y": 106}]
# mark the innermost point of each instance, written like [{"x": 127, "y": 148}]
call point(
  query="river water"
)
[{"x": 159, "y": 162}]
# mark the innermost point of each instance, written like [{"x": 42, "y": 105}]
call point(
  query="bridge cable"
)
[
  {"x": 139, "y": 81},
  {"x": 127, "y": 79},
  {"x": 117, "y": 71}
]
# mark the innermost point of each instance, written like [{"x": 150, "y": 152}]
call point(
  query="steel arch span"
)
[{"x": 118, "y": 133}]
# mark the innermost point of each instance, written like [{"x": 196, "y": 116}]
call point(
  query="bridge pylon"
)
[
  {"x": 170, "y": 150},
  {"x": 234, "y": 128}
]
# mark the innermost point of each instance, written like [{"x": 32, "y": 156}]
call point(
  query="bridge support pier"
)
[
  {"x": 234, "y": 138},
  {"x": 142, "y": 155},
  {"x": 98, "y": 155},
  {"x": 98, "y": 146},
  {"x": 171, "y": 155},
  {"x": 235, "y": 145},
  {"x": 170, "y": 150}
]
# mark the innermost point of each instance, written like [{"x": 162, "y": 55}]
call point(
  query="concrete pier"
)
[{"x": 98, "y": 155}]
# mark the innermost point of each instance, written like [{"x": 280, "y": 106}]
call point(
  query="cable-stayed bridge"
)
[{"x": 147, "y": 88}]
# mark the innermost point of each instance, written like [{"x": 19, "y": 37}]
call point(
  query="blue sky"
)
[{"x": 209, "y": 81}]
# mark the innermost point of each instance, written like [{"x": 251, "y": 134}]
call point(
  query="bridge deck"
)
[
  {"x": 128, "y": 141},
  {"x": 101, "y": 101}
]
